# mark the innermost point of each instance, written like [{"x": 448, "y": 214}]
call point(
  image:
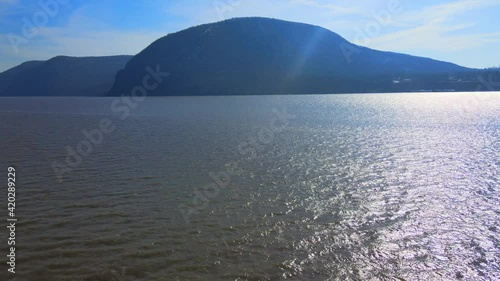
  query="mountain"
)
[
  {"x": 243, "y": 56},
  {"x": 268, "y": 56},
  {"x": 8, "y": 76},
  {"x": 62, "y": 76}
]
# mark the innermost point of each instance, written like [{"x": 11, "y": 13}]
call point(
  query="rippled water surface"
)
[{"x": 350, "y": 187}]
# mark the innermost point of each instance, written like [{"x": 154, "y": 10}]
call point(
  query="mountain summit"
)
[{"x": 268, "y": 56}]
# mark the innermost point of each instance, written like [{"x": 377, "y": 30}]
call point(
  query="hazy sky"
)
[{"x": 466, "y": 32}]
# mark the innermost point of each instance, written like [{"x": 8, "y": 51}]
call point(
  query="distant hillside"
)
[
  {"x": 8, "y": 76},
  {"x": 245, "y": 56},
  {"x": 62, "y": 76},
  {"x": 267, "y": 56}
]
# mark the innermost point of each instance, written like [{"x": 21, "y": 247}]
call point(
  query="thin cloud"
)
[
  {"x": 332, "y": 8},
  {"x": 434, "y": 28},
  {"x": 81, "y": 36},
  {"x": 443, "y": 12},
  {"x": 432, "y": 38}
]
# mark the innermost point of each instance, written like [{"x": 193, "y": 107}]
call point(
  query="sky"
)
[{"x": 465, "y": 32}]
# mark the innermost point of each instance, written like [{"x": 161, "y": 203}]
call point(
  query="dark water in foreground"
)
[{"x": 354, "y": 187}]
